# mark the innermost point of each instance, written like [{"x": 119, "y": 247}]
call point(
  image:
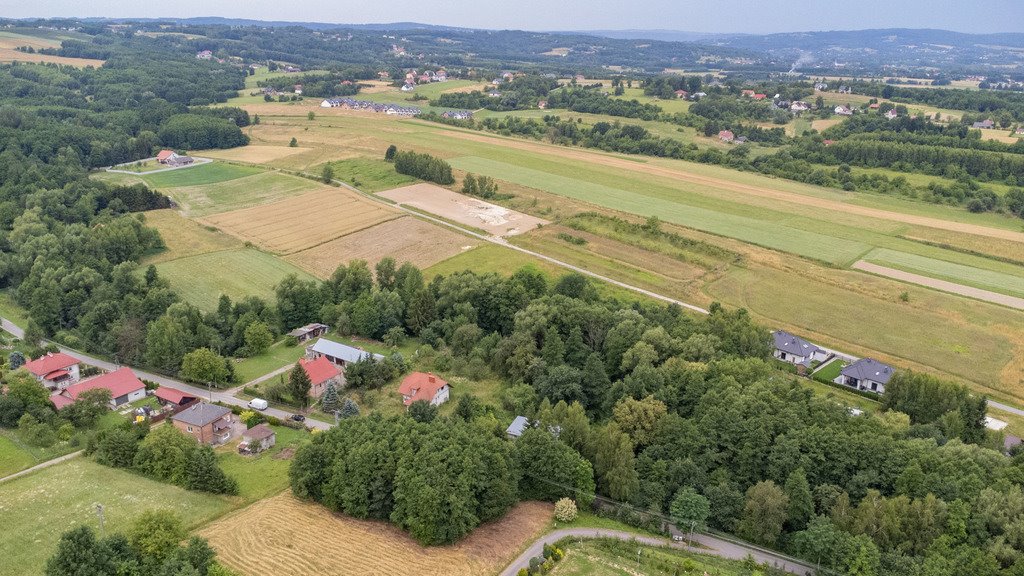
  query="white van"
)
[{"x": 258, "y": 404}]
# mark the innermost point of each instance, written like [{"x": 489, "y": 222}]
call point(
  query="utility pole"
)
[
  {"x": 99, "y": 513},
  {"x": 692, "y": 524},
  {"x": 638, "y": 550}
]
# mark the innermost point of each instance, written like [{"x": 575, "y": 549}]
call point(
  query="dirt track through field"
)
[
  {"x": 970, "y": 292},
  {"x": 677, "y": 174}
]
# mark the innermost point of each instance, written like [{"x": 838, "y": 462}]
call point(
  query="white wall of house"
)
[
  {"x": 129, "y": 397},
  {"x": 791, "y": 358},
  {"x": 441, "y": 397}
]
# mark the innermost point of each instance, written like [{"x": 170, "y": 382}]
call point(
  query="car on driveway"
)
[{"x": 298, "y": 418}]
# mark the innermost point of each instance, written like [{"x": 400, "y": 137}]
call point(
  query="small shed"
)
[
  {"x": 257, "y": 439},
  {"x": 517, "y": 427}
]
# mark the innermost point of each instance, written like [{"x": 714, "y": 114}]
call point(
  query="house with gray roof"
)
[
  {"x": 207, "y": 423},
  {"x": 338, "y": 353},
  {"x": 866, "y": 374},
  {"x": 796, "y": 350},
  {"x": 517, "y": 427}
]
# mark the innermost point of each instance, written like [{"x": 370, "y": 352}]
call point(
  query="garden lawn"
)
[
  {"x": 277, "y": 356},
  {"x": 209, "y": 173},
  {"x": 38, "y": 507},
  {"x": 614, "y": 558},
  {"x": 16, "y": 455},
  {"x": 264, "y": 474},
  {"x": 201, "y": 279}
]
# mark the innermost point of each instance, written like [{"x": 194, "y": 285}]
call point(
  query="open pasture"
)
[
  {"x": 38, "y": 507},
  {"x": 210, "y": 173},
  {"x": 34, "y": 38},
  {"x": 260, "y": 188},
  {"x": 238, "y": 273},
  {"x": 367, "y": 174},
  {"x": 463, "y": 209},
  {"x": 1010, "y": 281},
  {"x": 297, "y": 538},
  {"x": 406, "y": 239},
  {"x": 301, "y": 222},
  {"x": 184, "y": 237}
]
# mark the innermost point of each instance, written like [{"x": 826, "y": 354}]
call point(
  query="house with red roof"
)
[
  {"x": 681, "y": 94},
  {"x": 726, "y": 136},
  {"x": 124, "y": 387},
  {"x": 55, "y": 371},
  {"x": 759, "y": 96},
  {"x": 747, "y": 93},
  {"x": 424, "y": 386},
  {"x": 166, "y": 156},
  {"x": 321, "y": 372}
]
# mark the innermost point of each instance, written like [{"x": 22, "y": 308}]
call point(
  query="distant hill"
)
[{"x": 661, "y": 35}]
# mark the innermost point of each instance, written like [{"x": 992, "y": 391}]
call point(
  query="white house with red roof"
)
[
  {"x": 55, "y": 370},
  {"x": 166, "y": 156},
  {"x": 321, "y": 372},
  {"x": 424, "y": 386},
  {"x": 124, "y": 387}
]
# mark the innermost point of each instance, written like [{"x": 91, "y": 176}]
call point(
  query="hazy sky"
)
[{"x": 756, "y": 16}]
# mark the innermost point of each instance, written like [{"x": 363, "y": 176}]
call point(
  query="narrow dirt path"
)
[
  {"x": 41, "y": 465},
  {"x": 968, "y": 291}
]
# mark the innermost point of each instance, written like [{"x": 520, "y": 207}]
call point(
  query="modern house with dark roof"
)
[
  {"x": 55, "y": 371},
  {"x": 207, "y": 423},
  {"x": 338, "y": 353},
  {"x": 866, "y": 374},
  {"x": 796, "y": 350},
  {"x": 124, "y": 387}
]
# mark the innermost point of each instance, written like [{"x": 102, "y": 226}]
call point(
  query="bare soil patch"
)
[
  {"x": 12, "y": 55},
  {"x": 497, "y": 220},
  {"x": 405, "y": 239},
  {"x": 256, "y": 154},
  {"x": 286, "y": 537},
  {"x": 301, "y": 222}
]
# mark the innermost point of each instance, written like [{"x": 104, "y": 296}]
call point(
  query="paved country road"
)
[
  {"x": 712, "y": 545},
  {"x": 225, "y": 396}
]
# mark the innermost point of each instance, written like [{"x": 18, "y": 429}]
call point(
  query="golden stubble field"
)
[
  {"x": 406, "y": 239},
  {"x": 284, "y": 536},
  {"x": 301, "y": 222}
]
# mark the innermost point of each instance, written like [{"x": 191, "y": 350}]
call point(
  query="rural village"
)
[{"x": 386, "y": 299}]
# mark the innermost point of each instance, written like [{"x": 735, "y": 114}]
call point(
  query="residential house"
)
[
  {"x": 204, "y": 55},
  {"x": 542, "y": 104},
  {"x": 828, "y": 142},
  {"x": 799, "y": 106},
  {"x": 165, "y": 156},
  {"x": 384, "y": 75},
  {"x": 866, "y": 374},
  {"x": 297, "y": 89},
  {"x": 874, "y": 106},
  {"x": 747, "y": 93},
  {"x": 845, "y": 90},
  {"x": 1019, "y": 131},
  {"x": 441, "y": 76},
  {"x": 321, "y": 372},
  {"x": 821, "y": 86},
  {"x": 290, "y": 68},
  {"x": 681, "y": 94},
  {"x": 124, "y": 387},
  {"x": 423, "y": 386},
  {"x": 892, "y": 114},
  {"x": 740, "y": 140},
  {"x": 408, "y": 87},
  {"x": 759, "y": 96},
  {"x": 425, "y": 78},
  {"x": 984, "y": 125},
  {"x": 517, "y": 427},
  {"x": 173, "y": 398},
  {"x": 698, "y": 95},
  {"x": 257, "y": 439},
  {"x": 726, "y": 136},
  {"x": 55, "y": 371},
  {"x": 309, "y": 331},
  {"x": 338, "y": 353},
  {"x": 796, "y": 350},
  {"x": 207, "y": 423},
  {"x": 843, "y": 110}
]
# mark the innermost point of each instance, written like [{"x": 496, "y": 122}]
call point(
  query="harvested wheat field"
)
[
  {"x": 255, "y": 154},
  {"x": 497, "y": 220},
  {"x": 405, "y": 239},
  {"x": 301, "y": 222},
  {"x": 285, "y": 537}
]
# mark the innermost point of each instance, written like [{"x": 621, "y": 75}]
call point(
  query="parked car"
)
[
  {"x": 258, "y": 404},
  {"x": 677, "y": 538},
  {"x": 298, "y": 417}
]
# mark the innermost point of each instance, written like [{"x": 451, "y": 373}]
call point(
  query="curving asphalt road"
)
[{"x": 712, "y": 545}]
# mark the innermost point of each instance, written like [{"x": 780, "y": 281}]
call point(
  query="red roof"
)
[
  {"x": 119, "y": 382},
  {"x": 725, "y": 134},
  {"x": 760, "y": 96},
  {"x": 173, "y": 395},
  {"x": 44, "y": 365},
  {"x": 60, "y": 401},
  {"x": 420, "y": 386},
  {"x": 320, "y": 370},
  {"x": 57, "y": 374},
  {"x": 164, "y": 155}
]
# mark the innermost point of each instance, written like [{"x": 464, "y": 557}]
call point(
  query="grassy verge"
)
[{"x": 264, "y": 474}]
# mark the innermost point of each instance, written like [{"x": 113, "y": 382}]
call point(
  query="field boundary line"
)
[
  {"x": 964, "y": 290},
  {"x": 41, "y": 465}
]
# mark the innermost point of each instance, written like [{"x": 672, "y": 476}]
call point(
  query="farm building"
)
[
  {"x": 984, "y": 125},
  {"x": 207, "y": 423},
  {"x": 321, "y": 372},
  {"x": 517, "y": 427},
  {"x": 796, "y": 350},
  {"x": 55, "y": 371},
  {"x": 338, "y": 353},
  {"x": 257, "y": 439},
  {"x": 309, "y": 331},
  {"x": 124, "y": 387},
  {"x": 177, "y": 160},
  {"x": 423, "y": 386},
  {"x": 866, "y": 374},
  {"x": 173, "y": 397}
]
